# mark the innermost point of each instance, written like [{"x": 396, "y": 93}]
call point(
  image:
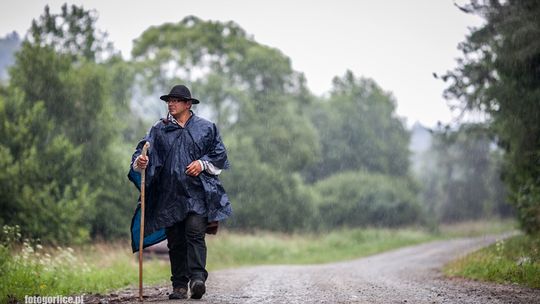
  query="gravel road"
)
[{"x": 407, "y": 275}]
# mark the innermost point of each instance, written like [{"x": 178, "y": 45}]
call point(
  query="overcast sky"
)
[{"x": 397, "y": 43}]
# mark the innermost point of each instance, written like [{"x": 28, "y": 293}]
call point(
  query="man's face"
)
[{"x": 178, "y": 106}]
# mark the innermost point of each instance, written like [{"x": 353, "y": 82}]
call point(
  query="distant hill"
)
[{"x": 9, "y": 45}]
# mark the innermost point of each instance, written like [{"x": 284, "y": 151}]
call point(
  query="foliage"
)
[
  {"x": 193, "y": 48},
  {"x": 512, "y": 261},
  {"x": 238, "y": 78},
  {"x": 49, "y": 208},
  {"x": 72, "y": 181},
  {"x": 359, "y": 130},
  {"x": 281, "y": 138},
  {"x": 498, "y": 75},
  {"x": 360, "y": 199},
  {"x": 462, "y": 174},
  {"x": 71, "y": 32},
  {"x": 264, "y": 197}
]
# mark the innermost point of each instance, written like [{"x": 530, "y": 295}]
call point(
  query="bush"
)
[
  {"x": 528, "y": 204},
  {"x": 263, "y": 197},
  {"x": 358, "y": 199}
]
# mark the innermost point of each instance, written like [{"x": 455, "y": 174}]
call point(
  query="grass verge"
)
[
  {"x": 28, "y": 269},
  {"x": 515, "y": 260},
  {"x": 233, "y": 250}
]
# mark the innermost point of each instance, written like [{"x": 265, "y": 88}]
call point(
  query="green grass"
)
[
  {"x": 515, "y": 260},
  {"x": 232, "y": 249},
  {"x": 66, "y": 271},
  {"x": 100, "y": 268},
  {"x": 476, "y": 228}
]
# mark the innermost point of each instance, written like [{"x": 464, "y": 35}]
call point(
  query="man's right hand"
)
[{"x": 142, "y": 161}]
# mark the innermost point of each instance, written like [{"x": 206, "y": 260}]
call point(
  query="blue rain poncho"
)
[{"x": 170, "y": 193}]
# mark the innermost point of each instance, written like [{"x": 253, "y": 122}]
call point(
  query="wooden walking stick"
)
[{"x": 141, "y": 238}]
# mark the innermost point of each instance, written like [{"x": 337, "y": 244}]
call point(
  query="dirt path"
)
[{"x": 407, "y": 275}]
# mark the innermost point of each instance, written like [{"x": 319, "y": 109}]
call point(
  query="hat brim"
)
[{"x": 166, "y": 97}]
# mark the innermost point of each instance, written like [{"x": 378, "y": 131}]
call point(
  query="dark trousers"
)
[{"x": 187, "y": 250}]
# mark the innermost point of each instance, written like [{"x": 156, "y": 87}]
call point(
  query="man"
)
[{"x": 183, "y": 192}]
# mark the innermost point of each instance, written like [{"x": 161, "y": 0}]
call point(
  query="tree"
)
[
  {"x": 462, "y": 176},
  {"x": 214, "y": 56},
  {"x": 72, "y": 32},
  {"x": 359, "y": 130},
  {"x": 263, "y": 196},
  {"x": 42, "y": 188},
  {"x": 498, "y": 75},
  {"x": 282, "y": 137},
  {"x": 79, "y": 99}
]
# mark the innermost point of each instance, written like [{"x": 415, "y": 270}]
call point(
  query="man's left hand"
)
[
  {"x": 194, "y": 169},
  {"x": 212, "y": 227}
]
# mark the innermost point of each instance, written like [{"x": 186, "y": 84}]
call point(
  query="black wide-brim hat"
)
[{"x": 180, "y": 91}]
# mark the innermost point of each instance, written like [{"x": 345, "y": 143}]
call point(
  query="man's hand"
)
[
  {"x": 212, "y": 227},
  {"x": 142, "y": 161},
  {"x": 194, "y": 169}
]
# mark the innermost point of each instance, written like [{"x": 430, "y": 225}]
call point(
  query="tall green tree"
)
[
  {"x": 359, "y": 130},
  {"x": 498, "y": 75},
  {"x": 193, "y": 47},
  {"x": 264, "y": 196},
  {"x": 80, "y": 101},
  {"x": 215, "y": 56},
  {"x": 42, "y": 185},
  {"x": 72, "y": 31}
]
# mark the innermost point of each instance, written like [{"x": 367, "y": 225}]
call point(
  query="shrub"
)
[{"x": 365, "y": 199}]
